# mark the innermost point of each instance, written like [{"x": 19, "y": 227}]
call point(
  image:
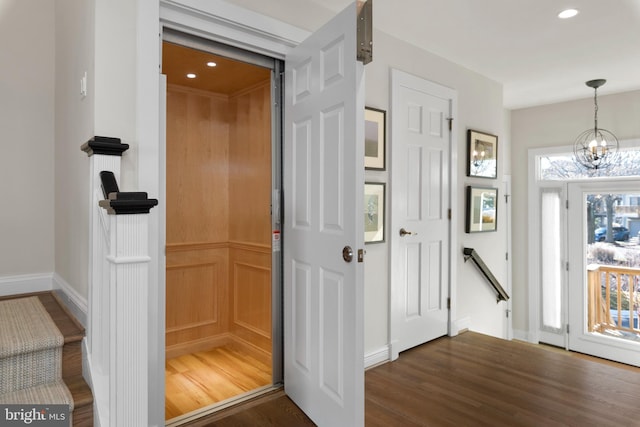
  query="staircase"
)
[{"x": 22, "y": 390}]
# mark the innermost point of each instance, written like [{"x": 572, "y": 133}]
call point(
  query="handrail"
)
[
  {"x": 471, "y": 253},
  {"x": 108, "y": 183},
  {"x": 123, "y": 202}
]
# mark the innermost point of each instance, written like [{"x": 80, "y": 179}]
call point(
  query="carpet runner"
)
[{"x": 30, "y": 355}]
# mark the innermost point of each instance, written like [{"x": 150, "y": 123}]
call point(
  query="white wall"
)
[
  {"x": 98, "y": 38},
  {"x": 549, "y": 126},
  {"x": 27, "y": 134},
  {"x": 74, "y": 117},
  {"x": 480, "y": 108},
  {"x": 115, "y": 80}
]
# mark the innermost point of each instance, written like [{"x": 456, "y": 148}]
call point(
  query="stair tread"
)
[
  {"x": 69, "y": 327},
  {"x": 50, "y": 393},
  {"x": 80, "y": 391},
  {"x": 73, "y": 333}
]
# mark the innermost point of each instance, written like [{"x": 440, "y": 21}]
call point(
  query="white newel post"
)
[
  {"x": 105, "y": 154},
  {"x": 118, "y": 291},
  {"x": 128, "y": 259}
]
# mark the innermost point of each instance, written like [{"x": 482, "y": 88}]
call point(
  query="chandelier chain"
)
[{"x": 595, "y": 114}]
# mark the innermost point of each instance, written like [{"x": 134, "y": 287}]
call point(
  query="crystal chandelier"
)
[{"x": 595, "y": 148}]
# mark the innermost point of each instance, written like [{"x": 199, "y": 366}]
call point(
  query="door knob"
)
[
  {"x": 347, "y": 254},
  {"x": 404, "y": 232}
]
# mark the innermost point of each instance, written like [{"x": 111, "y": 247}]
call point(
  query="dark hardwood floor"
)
[
  {"x": 476, "y": 380},
  {"x": 273, "y": 409}
]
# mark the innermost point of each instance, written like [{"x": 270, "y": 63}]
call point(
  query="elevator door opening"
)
[{"x": 220, "y": 311}]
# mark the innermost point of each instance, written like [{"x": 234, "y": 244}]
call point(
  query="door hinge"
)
[
  {"x": 567, "y": 328},
  {"x": 566, "y": 203},
  {"x": 449, "y": 214},
  {"x": 448, "y": 303},
  {"x": 506, "y": 256},
  {"x": 507, "y": 312},
  {"x": 566, "y": 266},
  {"x": 450, "y": 120}
]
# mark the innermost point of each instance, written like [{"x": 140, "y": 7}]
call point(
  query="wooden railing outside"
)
[{"x": 609, "y": 287}]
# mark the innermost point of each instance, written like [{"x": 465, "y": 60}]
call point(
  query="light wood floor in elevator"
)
[{"x": 196, "y": 380}]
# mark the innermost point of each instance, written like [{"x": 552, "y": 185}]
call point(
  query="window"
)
[
  {"x": 561, "y": 166},
  {"x": 551, "y": 258}
]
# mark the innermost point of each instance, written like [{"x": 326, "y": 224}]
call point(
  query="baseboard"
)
[
  {"x": 28, "y": 283},
  {"x": 394, "y": 351},
  {"x": 202, "y": 344},
  {"x": 86, "y": 363},
  {"x": 463, "y": 324},
  {"x": 99, "y": 387},
  {"x": 224, "y": 339},
  {"x": 76, "y": 303},
  {"x": 252, "y": 349},
  {"x": 24, "y": 284},
  {"x": 376, "y": 357},
  {"x": 523, "y": 336}
]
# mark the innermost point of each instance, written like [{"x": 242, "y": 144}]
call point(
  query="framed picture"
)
[
  {"x": 374, "y": 138},
  {"x": 483, "y": 154},
  {"x": 482, "y": 209},
  {"x": 374, "y": 212}
]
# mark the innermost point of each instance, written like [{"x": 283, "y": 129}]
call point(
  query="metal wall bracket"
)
[{"x": 364, "y": 31}]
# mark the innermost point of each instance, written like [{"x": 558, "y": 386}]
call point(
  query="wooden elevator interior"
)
[{"x": 218, "y": 234}]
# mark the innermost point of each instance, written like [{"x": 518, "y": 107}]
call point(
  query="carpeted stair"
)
[{"x": 41, "y": 356}]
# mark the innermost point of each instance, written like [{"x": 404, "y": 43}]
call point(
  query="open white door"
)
[{"x": 324, "y": 185}]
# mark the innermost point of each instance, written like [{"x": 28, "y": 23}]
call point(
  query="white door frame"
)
[
  {"x": 550, "y": 336},
  {"x": 534, "y": 186},
  {"x": 506, "y": 179},
  {"x": 534, "y": 261},
  {"x": 394, "y": 308},
  {"x": 211, "y": 19}
]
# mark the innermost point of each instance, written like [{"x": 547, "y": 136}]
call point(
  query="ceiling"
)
[
  {"x": 227, "y": 77},
  {"x": 539, "y": 58}
]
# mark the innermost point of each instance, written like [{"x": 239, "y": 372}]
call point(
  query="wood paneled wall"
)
[
  {"x": 250, "y": 166},
  {"x": 250, "y": 297},
  {"x": 197, "y": 297},
  {"x": 219, "y": 220},
  {"x": 197, "y": 166}
]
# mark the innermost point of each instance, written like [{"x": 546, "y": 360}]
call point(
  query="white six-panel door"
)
[
  {"x": 421, "y": 147},
  {"x": 324, "y": 184}
]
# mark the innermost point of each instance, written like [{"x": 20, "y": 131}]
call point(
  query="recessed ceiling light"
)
[
  {"x": 568, "y": 13},
  {"x": 191, "y": 76},
  {"x": 211, "y": 64}
]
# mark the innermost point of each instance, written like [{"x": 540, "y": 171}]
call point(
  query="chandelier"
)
[{"x": 595, "y": 148}]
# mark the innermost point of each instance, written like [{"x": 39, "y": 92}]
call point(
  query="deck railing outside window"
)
[{"x": 614, "y": 299}]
